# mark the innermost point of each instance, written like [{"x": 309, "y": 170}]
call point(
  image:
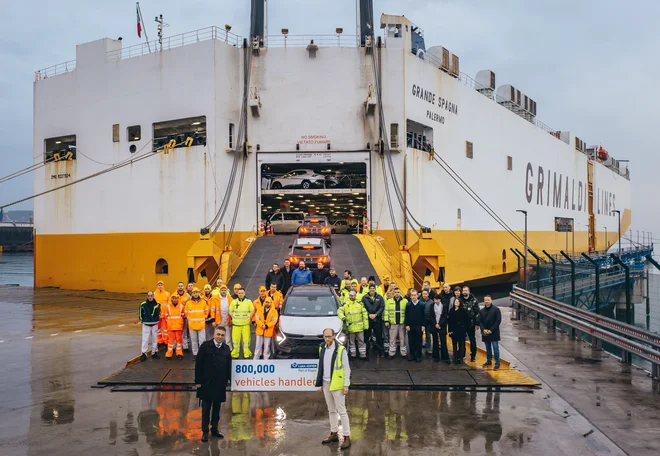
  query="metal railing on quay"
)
[
  {"x": 54, "y": 70},
  {"x": 628, "y": 338},
  {"x": 171, "y": 42},
  {"x": 278, "y": 41}
]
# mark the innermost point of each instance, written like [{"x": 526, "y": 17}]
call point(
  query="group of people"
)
[
  {"x": 186, "y": 318},
  {"x": 379, "y": 319}
]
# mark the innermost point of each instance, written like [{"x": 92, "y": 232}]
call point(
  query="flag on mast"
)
[{"x": 139, "y": 22}]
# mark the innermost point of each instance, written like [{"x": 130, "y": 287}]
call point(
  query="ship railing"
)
[
  {"x": 490, "y": 93},
  {"x": 171, "y": 42},
  {"x": 336, "y": 40},
  {"x": 54, "y": 70},
  {"x": 630, "y": 339}
]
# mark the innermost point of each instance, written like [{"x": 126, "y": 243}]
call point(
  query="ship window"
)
[
  {"x": 161, "y": 266},
  {"x": 504, "y": 254},
  {"x": 115, "y": 133},
  {"x": 231, "y": 135},
  {"x": 509, "y": 162},
  {"x": 469, "y": 149},
  {"x": 134, "y": 133},
  {"x": 60, "y": 148},
  {"x": 178, "y": 130},
  {"x": 394, "y": 136},
  {"x": 503, "y": 266}
]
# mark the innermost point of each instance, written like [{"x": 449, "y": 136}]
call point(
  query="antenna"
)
[{"x": 161, "y": 24}]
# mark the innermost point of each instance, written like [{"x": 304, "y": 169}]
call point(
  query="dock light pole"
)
[
  {"x": 619, "y": 212},
  {"x": 526, "y": 278}
]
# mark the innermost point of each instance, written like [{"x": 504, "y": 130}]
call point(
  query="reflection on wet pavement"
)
[{"x": 48, "y": 407}]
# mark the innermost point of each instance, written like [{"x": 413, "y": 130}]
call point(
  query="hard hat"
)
[
  {"x": 223, "y": 287},
  {"x": 207, "y": 286},
  {"x": 195, "y": 290},
  {"x": 262, "y": 288},
  {"x": 386, "y": 277},
  {"x": 237, "y": 286},
  {"x": 160, "y": 282}
]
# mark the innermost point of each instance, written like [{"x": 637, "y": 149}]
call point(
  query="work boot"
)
[
  {"x": 488, "y": 364},
  {"x": 143, "y": 357},
  {"x": 155, "y": 355},
  {"x": 333, "y": 437},
  {"x": 472, "y": 358},
  {"x": 215, "y": 433},
  {"x": 179, "y": 356},
  {"x": 205, "y": 437},
  {"x": 497, "y": 367},
  {"x": 346, "y": 443}
]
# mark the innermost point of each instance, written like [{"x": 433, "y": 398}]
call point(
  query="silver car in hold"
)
[{"x": 306, "y": 312}]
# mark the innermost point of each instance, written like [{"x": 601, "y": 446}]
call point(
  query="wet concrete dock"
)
[{"x": 55, "y": 344}]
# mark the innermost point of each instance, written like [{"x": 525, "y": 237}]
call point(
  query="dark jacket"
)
[
  {"x": 286, "y": 276},
  {"x": 276, "y": 278},
  {"x": 149, "y": 312},
  {"x": 213, "y": 371},
  {"x": 471, "y": 304},
  {"x": 458, "y": 321},
  {"x": 432, "y": 293},
  {"x": 334, "y": 282},
  {"x": 415, "y": 314},
  {"x": 490, "y": 318},
  {"x": 319, "y": 276},
  {"x": 374, "y": 306},
  {"x": 427, "y": 305},
  {"x": 445, "y": 298},
  {"x": 432, "y": 321}
]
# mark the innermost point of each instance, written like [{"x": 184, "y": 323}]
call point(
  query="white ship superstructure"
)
[{"x": 373, "y": 115}]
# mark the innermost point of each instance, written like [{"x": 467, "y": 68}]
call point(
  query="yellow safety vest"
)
[
  {"x": 337, "y": 380},
  {"x": 355, "y": 316},
  {"x": 241, "y": 312},
  {"x": 391, "y": 315}
]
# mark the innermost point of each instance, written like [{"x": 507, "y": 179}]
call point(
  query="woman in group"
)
[{"x": 458, "y": 321}]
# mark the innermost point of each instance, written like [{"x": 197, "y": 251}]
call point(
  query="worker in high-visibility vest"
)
[
  {"x": 162, "y": 298},
  {"x": 241, "y": 311},
  {"x": 196, "y": 312},
  {"x": 213, "y": 303},
  {"x": 394, "y": 317},
  {"x": 356, "y": 320},
  {"x": 276, "y": 296},
  {"x": 265, "y": 319},
  {"x": 174, "y": 313},
  {"x": 183, "y": 298},
  {"x": 218, "y": 284}
]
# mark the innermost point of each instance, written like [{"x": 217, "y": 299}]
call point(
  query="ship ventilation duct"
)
[
  {"x": 258, "y": 21},
  {"x": 365, "y": 19}
]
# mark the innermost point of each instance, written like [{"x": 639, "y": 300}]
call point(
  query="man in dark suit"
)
[
  {"x": 436, "y": 318},
  {"x": 286, "y": 270},
  {"x": 212, "y": 374}
]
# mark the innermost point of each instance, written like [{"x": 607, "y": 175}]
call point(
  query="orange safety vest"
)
[
  {"x": 213, "y": 304},
  {"x": 218, "y": 312},
  {"x": 182, "y": 298},
  {"x": 258, "y": 305},
  {"x": 277, "y": 299},
  {"x": 196, "y": 312},
  {"x": 174, "y": 315},
  {"x": 269, "y": 320},
  {"x": 162, "y": 298}
]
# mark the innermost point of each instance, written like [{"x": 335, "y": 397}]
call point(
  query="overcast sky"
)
[{"x": 591, "y": 65}]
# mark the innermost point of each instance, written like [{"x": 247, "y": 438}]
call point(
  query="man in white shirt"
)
[
  {"x": 222, "y": 317},
  {"x": 334, "y": 378}
]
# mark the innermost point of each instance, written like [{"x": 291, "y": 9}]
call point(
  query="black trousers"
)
[
  {"x": 473, "y": 340},
  {"x": 439, "y": 344},
  {"x": 377, "y": 327},
  {"x": 459, "y": 347},
  {"x": 415, "y": 341},
  {"x": 211, "y": 408}
]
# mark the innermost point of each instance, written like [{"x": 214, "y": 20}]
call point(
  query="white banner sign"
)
[{"x": 274, "y": 375}]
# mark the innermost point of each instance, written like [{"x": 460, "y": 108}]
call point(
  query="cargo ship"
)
[{"x": 179, "y": 149}]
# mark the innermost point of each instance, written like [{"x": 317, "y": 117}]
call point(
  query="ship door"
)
[{"x": 330, "y": 184}]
